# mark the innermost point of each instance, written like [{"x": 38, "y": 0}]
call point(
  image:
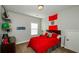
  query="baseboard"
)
[
  {"x": 21, "y": 42},
  {"x": 69, "y": 50}
]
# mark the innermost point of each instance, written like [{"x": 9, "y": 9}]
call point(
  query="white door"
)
[{"x": 72, "y": 40}]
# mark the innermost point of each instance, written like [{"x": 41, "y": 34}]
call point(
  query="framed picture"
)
[{"x": 21, "y": 28}]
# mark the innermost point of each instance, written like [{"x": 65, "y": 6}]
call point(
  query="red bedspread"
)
[{"x": 41, "y": 44}]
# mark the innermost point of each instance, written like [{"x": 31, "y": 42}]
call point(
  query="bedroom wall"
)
[
  {"x": 68, "y": 22},
  {"x": 67, "y": 19},
  {"x": 0, "y": 28},
  {"x": 19, "y": 20},
  {"x": 0, "y": 19},
  {"x": 45, "y": 24},
  {"x": 69, "y": 25},
  {"x": 0, "y": 9}
]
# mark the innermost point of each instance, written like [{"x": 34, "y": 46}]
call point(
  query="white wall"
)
[
  {"x": 0, "y": 9},
  {"x": 0, "y": 28},
  {"x": 45, "y": 23},
  {"x": 68, "y": 21},
  {"x": 0, "y": 18},
  {"x": 0, "y": 12},
  {"x": 19, "y": 20},
  {"x": 72, "y": 40}
]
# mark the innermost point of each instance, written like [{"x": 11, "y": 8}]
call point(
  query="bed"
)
[{"x": 43, "y": 43}]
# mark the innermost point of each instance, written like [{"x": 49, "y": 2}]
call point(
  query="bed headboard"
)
[{"x": 55, "y": 31}]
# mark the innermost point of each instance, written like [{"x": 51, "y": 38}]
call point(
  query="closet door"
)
[{"x": 72, "y": 40}]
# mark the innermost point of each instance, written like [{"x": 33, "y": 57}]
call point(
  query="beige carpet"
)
[{"x": 22, "y": 48}]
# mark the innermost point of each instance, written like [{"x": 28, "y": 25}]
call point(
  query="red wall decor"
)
[
  {"x": 53, "y": 17},
  {"x": 53, "y": 27}
]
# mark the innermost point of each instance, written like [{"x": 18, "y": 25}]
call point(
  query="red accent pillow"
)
[
  {"x": 46, "y": 34},
  {"x": 54, "y": 35}
]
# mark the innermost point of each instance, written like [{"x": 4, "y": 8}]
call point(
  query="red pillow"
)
[
  {"x": 54, "y": 35},
  {"x": 46, "y": 34}
]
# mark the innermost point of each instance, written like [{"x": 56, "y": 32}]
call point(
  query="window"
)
[{"x": 34, "y": 28}]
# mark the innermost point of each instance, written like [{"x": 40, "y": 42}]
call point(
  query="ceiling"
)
[{"x": 33, "y": 11}]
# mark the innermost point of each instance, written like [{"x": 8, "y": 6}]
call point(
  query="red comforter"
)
[{"x": 41, "y": 44}]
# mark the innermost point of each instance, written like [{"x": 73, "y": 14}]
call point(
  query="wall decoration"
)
[
  {"x": 53, "y": 27},
  {"x": 52, "y": 20},
  {"x": 5, "y": 25},
  {"x": 5, "y": 20},
  {"x": 53, "y": 17},
  {"x": 21, "y": 28},
  {"x": 6, "y": 30}
]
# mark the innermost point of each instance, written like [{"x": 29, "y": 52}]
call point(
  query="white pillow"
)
[
  {"x": 50, "y": 34},
  {"x": 59, "y": 36}
]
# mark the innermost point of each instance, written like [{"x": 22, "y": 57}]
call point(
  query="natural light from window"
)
[{"x": 34, "y": 28}]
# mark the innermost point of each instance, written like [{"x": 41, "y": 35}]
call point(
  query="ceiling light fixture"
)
[{"x": 40, "y": 7}]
